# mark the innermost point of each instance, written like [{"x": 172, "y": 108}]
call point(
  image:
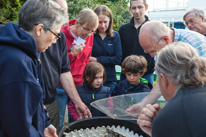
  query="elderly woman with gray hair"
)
[
  {"x": 21, "y": 82},
  {"x": 182, "y": 79}
]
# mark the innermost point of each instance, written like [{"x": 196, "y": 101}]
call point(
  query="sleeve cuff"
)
[
  {"x": 47, "y": 123},
  {"x": 99, "y": 59},
  {"x": 71, "y": 57}
]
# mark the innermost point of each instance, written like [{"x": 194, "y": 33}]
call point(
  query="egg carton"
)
[{"x": 103, "y": 132}]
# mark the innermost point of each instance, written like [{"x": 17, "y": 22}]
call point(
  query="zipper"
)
[
  {"x": 93, "y": 95},
  {"x": 130, "y": 88}
]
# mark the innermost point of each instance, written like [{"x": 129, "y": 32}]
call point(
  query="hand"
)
[
  {"x": 146, "y": 117},
  {"x": 76, "y": 49},
  {"x": 82, "y": 110},
  {"x": 135, "y": 109},
  {"x": 149, "y": 99},
  {"x": 92, "y": 59},
  {"x": 50, "y": 131},
  {"x": 77, "y": 119},
  {"x": 47, "y": 111}
]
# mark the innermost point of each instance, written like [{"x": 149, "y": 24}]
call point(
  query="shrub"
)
[
  {"x": 119, "y": 8},
  {"x": 9, "y": 9}
]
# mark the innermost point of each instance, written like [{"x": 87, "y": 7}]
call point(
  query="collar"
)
[
  {"x": 73, "y": 35},
  {"x": 176, "y": 35},
  {"x": 134, "y": 86},
  {"x": 89, "y": 88},
  {"x": 146, "y": 19},
  {"x": 108, "y": 36},
  {"x": 178, "y": 89}
]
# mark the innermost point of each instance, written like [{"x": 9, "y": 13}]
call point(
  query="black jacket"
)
[
  {"x": 55, "y": 61},
  {"x": 129, "y": 36},
  {"x": 183, "y": 116}
]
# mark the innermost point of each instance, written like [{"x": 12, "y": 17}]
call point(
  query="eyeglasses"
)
[
  {"x": 153, "y": 52},
  {"x": 191, "y": 21},
  {"x": 87, "y": 30},
  {"x": 57, "y": 35}
]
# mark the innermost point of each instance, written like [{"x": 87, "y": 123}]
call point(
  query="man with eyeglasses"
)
[
  {"x": 155, "y": 35},
  {"x": 129, "y": 34},
  {"x": 56, "y": 68},
  {"x": 195, "y": 20}
]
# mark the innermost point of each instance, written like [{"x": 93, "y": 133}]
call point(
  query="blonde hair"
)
[
  {"x": 104, "y": 10},
  {"x": 181, "y": 64},
  {"x": 134, "y": 64},
  {"x": 88, "y": 16}
]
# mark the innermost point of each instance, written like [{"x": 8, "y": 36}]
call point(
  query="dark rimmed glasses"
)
[{"x": 57, "y": 35}]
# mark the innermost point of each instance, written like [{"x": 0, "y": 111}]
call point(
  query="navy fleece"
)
[
  {"x": 108, "y": 52},
  {"x": 124, "y": 88},
  {"x": 21, "y": 94}
]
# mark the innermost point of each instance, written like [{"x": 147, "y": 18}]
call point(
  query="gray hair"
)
[
  {"x": 47, "y": 12},
  {"x": 180, "y": 63},
  {"x": 196, "y": 11}
]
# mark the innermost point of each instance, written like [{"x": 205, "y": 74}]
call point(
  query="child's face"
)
[
  {"x": 133, "y": 78},
  {"x": 98, "y": 80}
]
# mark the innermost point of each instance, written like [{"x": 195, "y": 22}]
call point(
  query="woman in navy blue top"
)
[{"x": 107, "y": 48}]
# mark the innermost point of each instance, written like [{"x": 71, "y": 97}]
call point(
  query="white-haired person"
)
[
  {"x": 195, "y": 20},
  {"x": 22, "y": 89},
  {"x": 182, "y": 80}
]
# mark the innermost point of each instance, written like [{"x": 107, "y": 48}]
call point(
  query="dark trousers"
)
[{"x": 53, "y": 110}]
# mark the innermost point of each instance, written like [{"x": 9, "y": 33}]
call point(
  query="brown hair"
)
[
  {"x": 90, "y": 71},
  {"x": 104, "y": 10},
  {"x": 134, "y": 64},
  {"x": 144, "y": 2}
]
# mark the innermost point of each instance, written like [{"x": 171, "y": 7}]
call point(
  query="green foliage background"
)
[{"x": 9, "y": 9}]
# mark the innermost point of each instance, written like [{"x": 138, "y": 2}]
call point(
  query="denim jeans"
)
[
  {"x": 110, "y": 84},
  {"x": 148, "y": 77},
  {"x": 61, "y": 99}
]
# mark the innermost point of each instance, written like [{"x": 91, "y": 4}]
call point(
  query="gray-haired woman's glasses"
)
[{"x": 57, "y": 35}]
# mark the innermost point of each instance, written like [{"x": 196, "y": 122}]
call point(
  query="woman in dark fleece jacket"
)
[
  {"x": 21, "y": 83},
  {"x": 107, "y": 48}
]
